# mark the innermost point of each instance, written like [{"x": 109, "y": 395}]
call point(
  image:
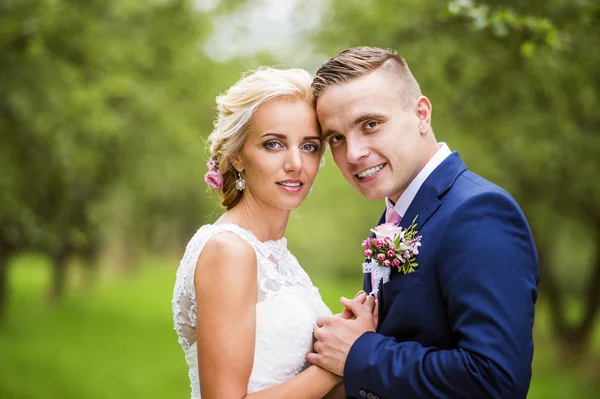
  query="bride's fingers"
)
[
  {"x": 359, "y": 299},
  {"x": 361, "y": 296},
  {"x": 347, "y": 313},
  {"x": 361, "y": 292},
  {"x": 369, "y": 303}
]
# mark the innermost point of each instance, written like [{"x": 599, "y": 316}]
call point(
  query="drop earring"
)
[{"x": 240, "y": 183}]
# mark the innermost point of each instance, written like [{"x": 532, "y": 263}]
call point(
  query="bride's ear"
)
[{"x": 237, "y": 163}]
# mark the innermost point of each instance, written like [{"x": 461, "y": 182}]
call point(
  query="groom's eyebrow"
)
[
  {"x": 328, "y": 134},
  {"x": 360, "y": 119},
  {"x": 366, "y": 117}
]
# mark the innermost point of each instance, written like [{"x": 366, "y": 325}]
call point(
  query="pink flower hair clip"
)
[{"x": 214, "y": 177}]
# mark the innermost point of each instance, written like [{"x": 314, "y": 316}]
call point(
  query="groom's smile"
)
[
  {"x": 378, "y": 136},
  {"x": 370, "y": 174}
]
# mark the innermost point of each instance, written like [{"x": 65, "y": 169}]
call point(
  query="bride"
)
[{"x": 244, "y": 309}]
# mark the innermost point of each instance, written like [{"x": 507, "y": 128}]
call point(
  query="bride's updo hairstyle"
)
[{"x": 236, "y": 108}]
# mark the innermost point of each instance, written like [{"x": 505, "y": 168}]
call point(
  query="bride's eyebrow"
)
[
  {"x": 277, "y": 135},
  {"x": 284, "y": 137}
]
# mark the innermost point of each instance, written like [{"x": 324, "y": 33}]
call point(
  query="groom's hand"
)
[{"x": 335, "y": 335}]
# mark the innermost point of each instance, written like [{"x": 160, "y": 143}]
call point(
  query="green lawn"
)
[{"x": 118, "y": 341}]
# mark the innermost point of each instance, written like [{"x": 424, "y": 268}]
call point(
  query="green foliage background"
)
[{"x": 104, "y": 108}]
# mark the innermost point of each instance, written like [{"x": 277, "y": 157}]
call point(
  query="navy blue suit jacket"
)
[{"x": 460, "y": 326}]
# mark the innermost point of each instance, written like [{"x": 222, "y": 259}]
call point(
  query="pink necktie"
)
[{"x": 391, "y": 216}]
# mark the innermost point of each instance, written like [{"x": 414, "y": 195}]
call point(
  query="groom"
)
[{"x": 460, "y": 325}]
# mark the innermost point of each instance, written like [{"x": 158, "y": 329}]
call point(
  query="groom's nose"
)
[{"x": 356, "y": 150}]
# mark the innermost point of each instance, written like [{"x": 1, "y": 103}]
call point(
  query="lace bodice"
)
[{"x": 287, "y": 307}]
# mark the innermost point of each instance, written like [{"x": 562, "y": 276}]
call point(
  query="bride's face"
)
[{"x": 281, "y": 155}]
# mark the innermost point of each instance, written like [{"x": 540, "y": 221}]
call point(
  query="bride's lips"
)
[{"x": 291, "y": 185}]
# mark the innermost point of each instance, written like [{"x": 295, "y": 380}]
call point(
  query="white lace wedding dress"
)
[{"x": 287, "y": 307}]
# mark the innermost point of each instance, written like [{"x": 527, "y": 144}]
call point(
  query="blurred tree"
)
[
  {"x": 97, "y": 97},
  {"x": 553, "y": 167},
  {"x": 515, "y": 87}
]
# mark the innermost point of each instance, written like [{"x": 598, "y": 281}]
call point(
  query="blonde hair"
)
[
  {"x": 358, "y": 61},
  {"x": 236, "y": 108}
]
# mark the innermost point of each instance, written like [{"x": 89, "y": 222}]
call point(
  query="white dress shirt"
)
[{"x": 411, "y": 191}]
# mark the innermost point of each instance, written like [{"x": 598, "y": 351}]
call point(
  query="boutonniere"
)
[{"x": 392, "y": 246}]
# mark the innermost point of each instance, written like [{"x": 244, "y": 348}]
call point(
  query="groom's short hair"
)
[{"x": 358, "y": 61}]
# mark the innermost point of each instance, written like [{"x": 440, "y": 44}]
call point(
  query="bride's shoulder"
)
[
  {"x": 226, "y": 254},
  {"x": 228, "y": 248},
  {"x": 228, "y": 244}
]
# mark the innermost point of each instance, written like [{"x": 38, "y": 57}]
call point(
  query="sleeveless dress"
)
[{"x": 287, "y": 307}]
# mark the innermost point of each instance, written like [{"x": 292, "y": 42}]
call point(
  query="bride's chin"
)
[{"x": 289, "y": 205}]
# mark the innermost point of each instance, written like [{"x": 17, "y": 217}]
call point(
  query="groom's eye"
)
[
  {"x": 335, "y": 138},
  {"x": 371, "y": 125}
]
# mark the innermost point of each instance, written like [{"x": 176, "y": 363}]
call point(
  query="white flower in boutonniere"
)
[{"x": 392, "y": 246}]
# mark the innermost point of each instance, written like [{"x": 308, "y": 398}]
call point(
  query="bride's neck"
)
[{"x": 265, "y": 221}]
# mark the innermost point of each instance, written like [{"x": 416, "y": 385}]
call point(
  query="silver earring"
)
[
  {"x": 240, "y": 183},
  {"x": 310, "y": 191}
]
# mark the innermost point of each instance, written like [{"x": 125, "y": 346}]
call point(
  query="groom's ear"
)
[{"x": 423, "y": 112}]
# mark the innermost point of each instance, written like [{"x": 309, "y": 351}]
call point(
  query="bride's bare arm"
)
[
  {"x": 226, "y": 290},
  {"x": 339, "y": 392}
]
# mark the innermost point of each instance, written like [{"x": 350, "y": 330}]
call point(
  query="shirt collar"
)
[{"x": 411, "y": 191}]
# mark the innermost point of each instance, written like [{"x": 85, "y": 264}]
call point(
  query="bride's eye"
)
[
  {"x": 310, "y": 147},
  {"x": 272, "y": 145}
]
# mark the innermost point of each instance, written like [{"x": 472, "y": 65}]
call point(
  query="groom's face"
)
[{"x": 376, "y": 138}]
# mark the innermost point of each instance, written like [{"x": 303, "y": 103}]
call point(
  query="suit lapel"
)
[
  {"x": 425, "y": 204},
  {"x": 427, "y": 201}
]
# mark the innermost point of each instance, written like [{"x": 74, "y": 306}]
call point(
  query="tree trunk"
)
[
  {"x": 6, "y": 250},
  {"x": 573, "y": 339},
  {"x": 4, "y": 256},
  {"x": 59, "y": 274},
  {"x": 581, "y": 334},
  {"x": 592, "y": 294},
  {"x": 550, "y": 289},
  {"x": 90, "y": 265}
]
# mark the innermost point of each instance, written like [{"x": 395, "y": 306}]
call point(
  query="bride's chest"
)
[
  {"x": 287, "y": 307},
  {"x": 285, "y": 321}
]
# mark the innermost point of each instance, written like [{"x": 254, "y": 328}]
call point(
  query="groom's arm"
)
[{"x": 488, "y": 273}]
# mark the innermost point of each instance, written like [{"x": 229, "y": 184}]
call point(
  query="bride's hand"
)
[
  {"x": 360, "y": 296},
  {"x": 371, "y": 305},
  {"x": 368, "y": 301}
]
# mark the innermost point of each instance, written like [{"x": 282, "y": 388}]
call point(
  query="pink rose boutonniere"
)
[{"x": 392, "y": 246}]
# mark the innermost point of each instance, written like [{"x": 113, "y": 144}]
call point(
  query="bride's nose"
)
[{"x": 293, "y": 161}]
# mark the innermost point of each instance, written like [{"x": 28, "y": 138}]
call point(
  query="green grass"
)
[{"x": 117, "y": 341}]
